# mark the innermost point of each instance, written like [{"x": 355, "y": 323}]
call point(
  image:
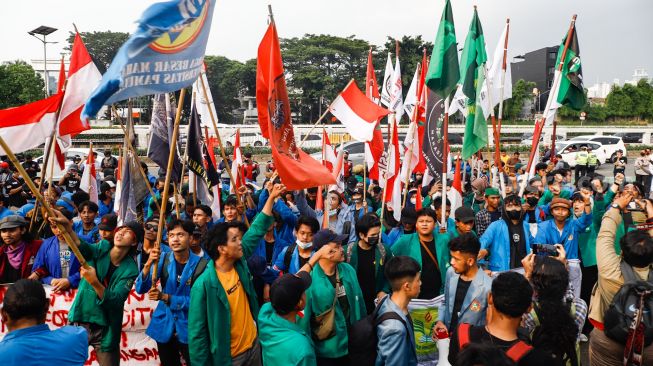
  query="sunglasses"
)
[{"x": 151, "y": 227}]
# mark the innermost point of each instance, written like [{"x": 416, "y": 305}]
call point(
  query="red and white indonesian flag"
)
[
  {"x": 357, "y": 112},
  {"x": 392, "y": 191},
  {"x": 455, "y": 194},
  {"x": 28, "y": 126},
  {"x": 330, "y": 160},
  {"x": 339, "y": 172},
  {"x": 83, "y": 78},
  {"x": 89, "y": 180},
  {"x": 236, "y": 163}
]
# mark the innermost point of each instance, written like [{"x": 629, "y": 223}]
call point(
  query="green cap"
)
[{"x": 491, "y": 192}]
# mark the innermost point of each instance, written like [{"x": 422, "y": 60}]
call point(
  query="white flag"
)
[
  {"x": 396, "y": 92},
  {"x": 493, "y": 78},
  {"x": 385, "y": 87},
  {"x": 550, "y": 113},
  {"x": 459, "y": 102},
  {"x": 411, "y": 97}
]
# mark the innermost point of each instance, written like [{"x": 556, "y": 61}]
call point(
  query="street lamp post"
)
[{"x": 44, "y": 31}]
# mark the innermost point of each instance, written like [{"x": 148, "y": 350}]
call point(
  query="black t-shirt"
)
[
  {"x": 494, "y": 215},
  {"x": 269, "y": 250},
  {"x": 342, "y": 296},
  {"x": 72, "y": 184},
  {"x": 461, "y": 291},
  {"x": 517, "y": 244},
  {"x": 367, "y": 276},
  {"x": 15, "y": 199},
  {"x": 479, "y": 335},
  {"x": 431, "y": 278},
  {"x": 10, "y": 274},
  {"x": 179, "y": 268},
  {"x": 623, "y": 160},
  {"x": 302, "y": 261},
  {"x": 31, "y": 167},
  {"x": 107, "y": 278}
]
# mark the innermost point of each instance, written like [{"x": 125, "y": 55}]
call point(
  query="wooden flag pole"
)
[
  {"x": 37, "y": 194},
  {"x": 503, "y": 75},
  {"x": 556, "y": 84},
  {"x": 166, "y": 187},
  {"x": 217, "y": 136},
  {"x": 138, "y": 160},
  {"x": 445, "y": 156}
]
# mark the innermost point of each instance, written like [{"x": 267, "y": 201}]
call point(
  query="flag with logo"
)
[
  {"x": 443, "y": 72},
  {"x": 386, "y": 87},
  {"x": 296, "y": 169},
  {"x": 161, "y": 133},
  {"x": 392, "y": 190},
  {"x": 472, "y": 60},
  {"x": 164, "y": 54},
  {"x": 374, "y": 148}
]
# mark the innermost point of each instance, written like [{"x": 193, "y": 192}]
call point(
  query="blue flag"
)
[{"x": 164, "y": 54}]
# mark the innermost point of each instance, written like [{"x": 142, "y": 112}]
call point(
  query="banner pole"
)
[{"x": 445, "y": 156}]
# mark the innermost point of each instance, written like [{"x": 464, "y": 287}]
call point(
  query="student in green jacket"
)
[
  {"x": 104, "y": 287},
  {"x": 431, "y": 254},
  {"x": 285, "y": 343},
  {"x": 335, "y": 288},
  {"x": 223, "y": 305},
  {"x": 368, "y": 256}
]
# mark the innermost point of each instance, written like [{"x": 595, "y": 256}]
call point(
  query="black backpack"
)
[
  {"x": 634, "y": 296},
  {"x": 199, "y": 269},
  {"x": 290, "y": 249},
  {"x": 363, "y": 339}
]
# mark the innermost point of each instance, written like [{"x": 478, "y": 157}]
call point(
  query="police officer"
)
[
  {"x": 581, "y": 162},
  {"x": 592, "y": 162}
]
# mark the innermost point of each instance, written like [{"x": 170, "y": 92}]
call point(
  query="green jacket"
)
[
  {"x": 587, "y": 238},
  {"x": 379, "y": 264},
  {"x": 409, "y": 245},
  {"x": 209, "y": 320},
  {"x": 319, "y": 298},
  {"x": 283, "y": 343},
  {"x": 107, "y": 312}
]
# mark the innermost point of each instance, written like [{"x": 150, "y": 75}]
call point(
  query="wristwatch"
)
[{"x": 614, "y": 205}]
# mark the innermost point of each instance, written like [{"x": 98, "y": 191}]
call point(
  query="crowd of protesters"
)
[{"x": 280, "y": 280}]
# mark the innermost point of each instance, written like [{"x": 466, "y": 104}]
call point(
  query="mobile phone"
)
[
  {"x": 633, "y": 206},
  {"x": 545, "y": 249}
]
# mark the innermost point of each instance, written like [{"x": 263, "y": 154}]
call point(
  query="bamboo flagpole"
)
[
  {"x": 540, "y": 124},
  {"x": 37, "y": 194},
  {"x": 166, "y": 187},
  {"x": 497, "y": 159},
  {"x": 217, "y": 136},
  {"x": 413, "y": 124}
]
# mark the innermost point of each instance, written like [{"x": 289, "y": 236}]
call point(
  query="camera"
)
[
  {"x": 633, "y": 206},
  {"x": 545, "y": 250}
]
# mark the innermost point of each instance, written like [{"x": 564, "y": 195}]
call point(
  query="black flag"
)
[{"x": 433, "y": 142}]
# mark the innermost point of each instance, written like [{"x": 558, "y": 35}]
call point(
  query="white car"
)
[
  {"x": 70, "y": 155},
  {"x": 247, "y": 139},
  {"x": 610, "y": 144},
  {"x": 568, "y": 150}
]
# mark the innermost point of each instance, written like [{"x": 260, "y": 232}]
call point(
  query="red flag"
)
[
  {"x": 374, "y": 148},
  {"x": 89, "y": 182},
  {"x": 392, "y": 190},
  {"x": 357, "y": 113},
  {"x": 455, "y": 194},
  {"x": 62, "y": 77},
  {"x": 422, "y": 96},
  {"x": 296, "y": 169},
  {"x": 29, "y": 125},
  {"x": 236, "y": 165},
  {"x": 328, "y": 153},
  {"x": 83, "y": 78}
]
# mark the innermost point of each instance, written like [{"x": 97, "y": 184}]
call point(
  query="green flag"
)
[
  {"x": 443, "y": 73},
  {"x": 571, "y": 92},
  {"x": 472, "y": 60}
]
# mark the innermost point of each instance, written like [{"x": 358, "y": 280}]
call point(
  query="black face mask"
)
[
  {"x": 513, "y": 215},
  {"x": 372, "y": 240},
  {"x": 532, "y": 201}
]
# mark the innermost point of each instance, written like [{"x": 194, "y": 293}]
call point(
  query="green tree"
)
[
  {"x": 228, "y": 80},
  {"x": 102, "y": 46},
  {"x": 321, "y": 66},
  {"x": 521, "y": 91},
  {"x": 20, "y": 84},
  {"x": 619, "y": 103}
]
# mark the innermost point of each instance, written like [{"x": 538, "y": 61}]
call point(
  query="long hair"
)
[{"x": 558, "y": 331}]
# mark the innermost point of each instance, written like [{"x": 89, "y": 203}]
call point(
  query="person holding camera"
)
[{"x": 71, "y": 180}]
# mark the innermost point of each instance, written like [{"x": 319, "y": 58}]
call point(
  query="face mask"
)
[
  {"x": 333, "y": 212},
  {"x": 513, "y": 215},
  {"x": 532, "y": 201},
  {"x": 303, "y": 245},
  {"x": 357, "y": 200},
  {"x": 372, "y": 240},
  {"x": 413, "y": 200}
]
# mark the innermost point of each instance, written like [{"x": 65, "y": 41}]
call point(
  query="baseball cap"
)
[
  {"x": 464, "y": 214},
  {"x": 12, "y": 221},
  {"x": 287, "y": 290},
  {"x": 326, "y": 236},
  {"x": 108, "y": 222},
  {"x": 136, "y": 228}
]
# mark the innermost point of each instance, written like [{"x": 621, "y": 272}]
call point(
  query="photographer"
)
[
  {"x": 71, "y": 180},
  {"x": 637, "y": 256}
]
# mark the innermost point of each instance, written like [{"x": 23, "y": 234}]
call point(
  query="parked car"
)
[
  {"x": 610, "y": 144},
  {"x": 313, "y": 140},
  {"x": 70, "y": 155},
  {"x": 247, "y": 139},
  {"x": 527, "y": 138},
  {"x": 568, "y": 150},
  {"x": 630, "y": 137}
]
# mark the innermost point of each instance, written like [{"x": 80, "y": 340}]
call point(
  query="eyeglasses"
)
[{"x": 151, "y": 227}]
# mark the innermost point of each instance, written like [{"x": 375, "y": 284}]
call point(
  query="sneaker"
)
[{"x": 583, "y": 338}]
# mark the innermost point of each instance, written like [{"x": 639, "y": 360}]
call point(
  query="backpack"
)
[
  {"x": 199, "y": 269},
  {"x": 287, "y": 257},
  {"x": 630, "y": 306},
  {"x": 363, "y": 339},
  {"x": 516, "y": 352}
]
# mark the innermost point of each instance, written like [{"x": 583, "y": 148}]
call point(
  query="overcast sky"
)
[{"x": 615, "y": 36}]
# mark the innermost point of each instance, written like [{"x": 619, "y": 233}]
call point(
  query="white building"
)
[
  {"x": 599, "y": 90},
  {"x": 638, "y": 75},
  {"x": 53, "y": 67}
]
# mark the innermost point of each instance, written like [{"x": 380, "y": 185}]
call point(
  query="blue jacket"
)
[
  {"x": 496, "y": 240},
  {"x": 395, "y": 347},
  {"x": 4, "y": 212},
  {"x": 48, "y": 260},
  {"x": 93, "y": 236},
  {"x": 173, "y": 318},
  {"x": 280, "y": 266},
  {"x": 104, "y": 209},
  {"x": 344, "y": 215},
  {"x": 547, "y": 233},
  {"x": 139, "y": 257},
  {"x": 34, "y": 345},
  {"x": 288, "y": 217},
  {"x": 474, "y": 305}
]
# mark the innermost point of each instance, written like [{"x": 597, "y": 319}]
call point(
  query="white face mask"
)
[
  {"x": 413, "y": 200},
  {"x": 303, "y": 245},
  {"x": 333, "y": 212}
]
